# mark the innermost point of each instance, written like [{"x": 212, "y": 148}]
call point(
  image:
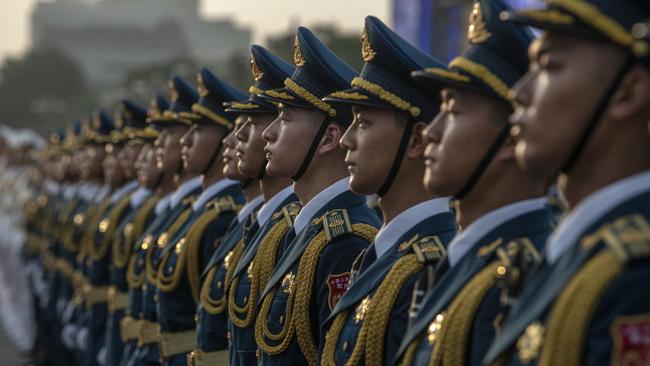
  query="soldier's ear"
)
[
  {"x": 417, "y": 144},
  {"x": 507, "y": 151},
  {"x": 632, "y": 100}
]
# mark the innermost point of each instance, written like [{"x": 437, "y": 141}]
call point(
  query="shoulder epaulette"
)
[
  {"x": 628, "y": 237},
  {"x": 223, "y": 204},
  {"x": 428, "y": 249},
  {"x": 336, "y": 223},
  {"x": 290, "y": 211}
]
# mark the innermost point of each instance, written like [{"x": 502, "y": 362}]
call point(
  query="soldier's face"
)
[
  {"x": 557, "y": 97},
  {"x": 112, "y": 171},
  {"x": 148, "y": 173},
  {"x": 459, "y": 137},
  {"x": 288, "y": 139},
  {"x": 168, "y": 151},
  {"x": 371, "y": 141},
  {"x": 92, "y": 165},
  {"x": 126, "y": 158},
  {"x": 250, "y": 144},
  {"x": 229, "y": 155},
  {"x": 199, "y": 145}
]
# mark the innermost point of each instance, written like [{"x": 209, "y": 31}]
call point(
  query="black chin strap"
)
[
  {"x": 487, "y": 159},
  {"x": 397, "y": 162},
  {"x": 312, "y": 149},
  {"x": 597, "y": 116}
]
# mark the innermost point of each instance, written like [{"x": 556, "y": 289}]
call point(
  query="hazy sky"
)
[{"x": 264, "y": 16}]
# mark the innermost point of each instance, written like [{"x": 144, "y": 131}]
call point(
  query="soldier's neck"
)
[
  {"x": 252, "y": 190},
  {"x": 319, "y": 175},
  {"x": 406, "y": 191},
  {"x": 270, "y": 186},
  {"x": 166, "y": 185},
  {"x": 499, "y": 189},
  {"x": 212, "y": 176}
]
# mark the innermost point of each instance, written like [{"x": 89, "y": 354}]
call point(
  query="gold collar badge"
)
[
  {"x": 434, "y": 328},
  {"x": 362, "y": 309},
  {"x": 530, "y": 343},
  {"x": 478, "y": 31}
]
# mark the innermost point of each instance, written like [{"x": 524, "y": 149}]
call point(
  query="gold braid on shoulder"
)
[
  {"x": 123, "y": 243},
  {"x": 297, "y": 317},
  {"x": 151, "y": 269},
  {"x": 370, "y": 341},
  {"x": 261, "y": 268},
  {"x": 107, "y": 228},
  {"x": 572, "y": 312},
  {"x": 451, "y": 343},
  {"x": 218, "y": 306}
]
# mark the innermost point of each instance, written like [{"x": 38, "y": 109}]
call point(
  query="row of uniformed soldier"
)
[{"x": 221, "y": 228}]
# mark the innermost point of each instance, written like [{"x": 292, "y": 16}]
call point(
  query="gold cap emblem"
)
[
  {"x": 297, "y": 54},
  {"x": 203, "y": 91},
  {"x": 478, "y": 31},
  {"x": 255, "y": 70},
  {"x": 367, "y": 53},
  {"x": 171, "y": 89}
]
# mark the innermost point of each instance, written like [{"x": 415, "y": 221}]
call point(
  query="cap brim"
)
[
  {"x": 357, "y": 96},
  {"x": 286, "y": 96},
  {"x": 435, "y": 82},
  {"x": 253, "y": 104},
  {"x": 550, "y": 20}
]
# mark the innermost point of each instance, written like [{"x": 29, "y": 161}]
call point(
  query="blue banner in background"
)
[{"x": 413, "y": 20}]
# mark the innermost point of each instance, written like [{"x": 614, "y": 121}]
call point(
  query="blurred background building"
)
[{"x": 84, "y": 54}]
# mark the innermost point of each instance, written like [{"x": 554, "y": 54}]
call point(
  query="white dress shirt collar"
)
[
  {"x": 212, "y": 191},
  {"x": 249, "y": 207},
  {"x": 101, "y": 192},
  {"x": 163, "y": 203},
  {"x": 123, "y": 191},
  {"x": 140, "y": 194},
  {"x": 184, "y": 190},
  {"x": 319, "y": 201},
  {"x": 269, "y": 207},
  {"x": 389, "y": 233},
  {"x": 466, "y": 239},
  {"x": 591, "y": 209}
]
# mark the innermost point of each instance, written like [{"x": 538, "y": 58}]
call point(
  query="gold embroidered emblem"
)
[
  {"x": 478, "y": 31},
  {"x": 362, "y": 309},
  {"x": 171, "y": 89},
  {"x": 530, "y": 343},
  {"x": 104, "y": 224},
  {"x": 434, "y": 328},
  {"x": 154, "y": 110},
  {"x": 367, "y": 53},
  {"x": 288, "y": 283},
  {"x": 297, "y": 53},
  {"x": 119, "y": 121},
  {"x": 255, "y": 70},
  {"x": 203, "y": 91}
]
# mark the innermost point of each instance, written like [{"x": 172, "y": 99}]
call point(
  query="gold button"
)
[
  {"x": 219, "y": 284},
  {"x": 281, "y": 319},
  {"x": 257, "y": 355},
  {"x": 229, "y": 335},
  {"x": 346, "y": 346},
  {"x": 245, "y": 299},
  {"x": 196, "y": 318}
]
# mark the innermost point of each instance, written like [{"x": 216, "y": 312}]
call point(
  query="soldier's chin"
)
[{"x": 357, "y": 185}]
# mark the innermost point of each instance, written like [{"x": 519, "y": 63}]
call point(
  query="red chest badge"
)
[
  {"x": 631, "y": 340},
  {"x": 337, "y": 285}
]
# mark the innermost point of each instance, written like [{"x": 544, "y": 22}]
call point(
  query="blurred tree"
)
[
  {"x": 43, "y": 90},
  {"x": 346, "y": 45}
]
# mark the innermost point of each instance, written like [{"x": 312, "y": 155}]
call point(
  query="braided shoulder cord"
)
[
  {"x": 217, "y": 306},
  {"x": 462, "y": 312},
  {"x": 261, "y": 268},
  {"x": 305, "y": 276},
  {"x": 572, "y": 312},
  {"x": 125, "y": 239},
  {"x": 151, "y": 269}
]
